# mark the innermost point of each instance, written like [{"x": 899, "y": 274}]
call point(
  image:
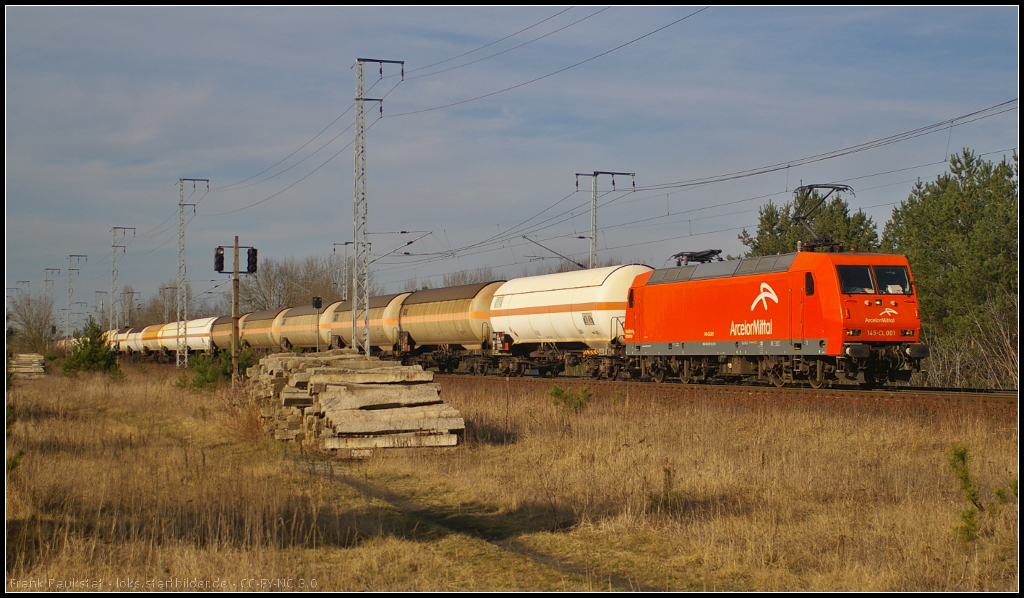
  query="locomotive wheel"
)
[
  {"x": 816, "y": 375},
  {"x": 686, "y": 372},
  {"x": 655, "y": 369},
  {"x": 776, "y": 379}
]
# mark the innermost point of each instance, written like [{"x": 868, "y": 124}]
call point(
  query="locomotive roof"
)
[
  {"x": 753, "y": 265},
  {"x": 464, "y": 291}
]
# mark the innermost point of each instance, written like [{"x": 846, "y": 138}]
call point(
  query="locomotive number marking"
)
[
  {"x": 709, "y": 333},
  {"x": 881, "y": 333}
]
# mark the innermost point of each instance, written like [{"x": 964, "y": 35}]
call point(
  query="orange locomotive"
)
[{"x": 805, "y": 316}]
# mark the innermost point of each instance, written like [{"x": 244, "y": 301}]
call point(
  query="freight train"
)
[{"x": 804, "y": 317}]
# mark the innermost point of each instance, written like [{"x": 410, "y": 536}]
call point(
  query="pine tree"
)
[
  {"x": 960, "y": 234},
  {"x": 91, "y": 353},
  {"x": 778, "y": 229}
]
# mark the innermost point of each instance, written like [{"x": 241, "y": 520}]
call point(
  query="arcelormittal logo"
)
[{"x": 766, "y": 293}]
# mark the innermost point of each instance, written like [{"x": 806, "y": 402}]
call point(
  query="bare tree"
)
[
  {"x": 292, "y": 282},
  {"x": 30, "y": 321},
  {"x": 484, "y": 274}
]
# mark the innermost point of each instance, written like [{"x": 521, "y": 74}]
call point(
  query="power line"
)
[
  {"x": 494, "y": 93},
  {"x": 512, "y": 48},
  {"x": 228, "y": 187},
  {"x": 874, "y": 144},
  {"x": 486, "y": 45}
]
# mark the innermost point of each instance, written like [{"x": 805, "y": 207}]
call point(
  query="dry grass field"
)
[{"x": 142, "y": 485}]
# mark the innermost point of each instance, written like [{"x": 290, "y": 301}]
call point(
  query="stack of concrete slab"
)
[
  {"x": 341, "y": 400},
  {"x": 27, "y": 365}
]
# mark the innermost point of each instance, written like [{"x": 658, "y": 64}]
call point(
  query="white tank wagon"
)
[
  {"x": 118, "y": 339},
  {"x": 197, "y": 335},
  {"x": 133, "y": 343},
  {"x": 336, "y": 325},
  {"x": 559, "y": 320},
  {"x": 439, "y": 325}
]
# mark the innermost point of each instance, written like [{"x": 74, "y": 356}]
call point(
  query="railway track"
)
[{"x": 841, "y": 394}]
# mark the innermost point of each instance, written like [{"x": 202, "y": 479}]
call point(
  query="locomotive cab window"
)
[
  {"x": 809, "y": 284},
  {"x": 892, "y": 280},
  {"x": 856, "y": 280},
  {"x": 631, "y": 297}
]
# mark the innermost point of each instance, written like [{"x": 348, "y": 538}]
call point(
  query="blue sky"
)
[{"x": 106, "y": 108}]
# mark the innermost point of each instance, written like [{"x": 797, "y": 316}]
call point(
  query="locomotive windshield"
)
[
  {"x": 892, "y": 280},
  {"x": 856, "y": 280},
  {"x": 864, "y": 280}
]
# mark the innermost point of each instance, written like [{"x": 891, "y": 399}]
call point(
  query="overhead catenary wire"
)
[
  {"x": 490, "y": 44},
  {"x": 512, "y": 48},
  {"x": 551, "y": 74}
]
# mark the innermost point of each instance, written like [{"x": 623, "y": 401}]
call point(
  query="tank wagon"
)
[
  {"x": 445, "y": 327},
  {"x": 336, "y": 324},
  {"x": 552, "y": 322},
  {"x": 805, "y": 316}
]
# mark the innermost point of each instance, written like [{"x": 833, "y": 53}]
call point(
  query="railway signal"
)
[{"x": 251, "y": 257}]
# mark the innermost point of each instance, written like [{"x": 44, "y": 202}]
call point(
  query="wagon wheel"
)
[{"x": 613, "y": 372}]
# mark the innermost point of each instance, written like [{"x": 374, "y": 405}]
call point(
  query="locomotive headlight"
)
[
  {"x": 853, "y": 332},
  {"x": 908, "y": 332}
]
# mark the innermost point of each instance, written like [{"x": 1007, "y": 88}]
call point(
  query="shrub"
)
[
  {"x": 91, "y": 353},
  {"x": 569, "y": 400}
]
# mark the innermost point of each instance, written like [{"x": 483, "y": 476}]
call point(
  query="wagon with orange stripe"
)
[
  {"x": 443, "y": 327},
  {"x": 336, "y": 323},
  {"x": 555, "y": 321}
]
